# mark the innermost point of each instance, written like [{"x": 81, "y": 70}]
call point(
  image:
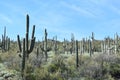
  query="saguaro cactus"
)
[
  {"x": 37, "y": 53},
  {"x": 83, "y": 45},
  {"x": 64, "y": 45},
  {"x": 5, "y": 43},
  {"x": 102, "y": 46},
  {"x": 116, "y": 38},
  {"x": 72, "y": 48},
  {"x": 90, "y": 47},
  {"x": 77, "y": 59},
  {"x": 45, "y": 47},
  {"x": 55, "y": 45},
  {"x": 26, "y": 50},
  {"x": 93, "y": 42},
  {"x": 23, "y": 59}
]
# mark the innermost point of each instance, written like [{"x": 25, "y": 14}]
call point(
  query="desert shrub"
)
[
  {"x": 107, "y": 77},
  {"x": 30, "y": 76},
  {"x": 57, "y": 64},
  {"x": 115, "y": 69},
  {"x": 1, "y": 59},
  {"x": 43, "y": 74},
  {"x": 10, "y": 60}
]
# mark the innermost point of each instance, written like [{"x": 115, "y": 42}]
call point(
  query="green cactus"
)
[
  {"x": 45, "y": 47},
  {"x": 77, "y": 59},
  {"x": 5, "y": 43},
  {"x": 37, "y": 53},
  {"x": 72, "y": 47},
  {"x": 64, "y": 45},
  {"x": 55, "y": 45},
  {"x": 90, "y": 47},
  {"x": 26, "y": 50},
  {"x": 93, "y": 47}
]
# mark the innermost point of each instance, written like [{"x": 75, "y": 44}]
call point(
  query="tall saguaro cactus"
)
[
  {"x": 77, "y": 65},
  {"x": 5, "y": 43},
  {"x": 26, "y": 49},
  {"x": 90, "y": 47},
  {"x": 64, "y": 45},
  {"x": 45, "y": 48},
  {"x": 55, "y": 45},
  {"x": 116, "y": 38},
  {"x": 72, "y": 48},
  {"x": 93, "y": 42},
  {"x": 83, "y": 45}
]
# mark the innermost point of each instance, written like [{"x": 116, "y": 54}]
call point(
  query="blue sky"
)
[{"x": 61, "y": 17}]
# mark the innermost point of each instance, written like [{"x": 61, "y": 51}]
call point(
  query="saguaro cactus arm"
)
[
  {"x": 19, "y": 44},
  {"x": 32, "y": 41},
  {"x": 32, "y": 45}
]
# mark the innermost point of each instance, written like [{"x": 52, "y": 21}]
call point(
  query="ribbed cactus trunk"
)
[
  {"x": 90, "y": 48},
  {"x": 45, "y": 47},
  {"x": 72, "y": 48},
  {"x": 108, "y": 42},
  {"x": 116, "y": 42},
  {"x": 105, "y": 47},
  {"x": 26, "y": 50},
  {"x": 27, "y": 35},
  {"x": 55, "y": 45},
  {"x": 37, "y": 54},
  {"x": 64, "y": 45},
  {"x": 23, "y": 60},
  {"x": 89, "y": 45},
  {"x": 77, "y": 59},
  {"x": 102, "y": 46},
  {"x": 93, "y": 47},
  {"x": 7, "y": 43},
  {"x": 83, "y": 45},
  {"x": 4, "y": 39}
]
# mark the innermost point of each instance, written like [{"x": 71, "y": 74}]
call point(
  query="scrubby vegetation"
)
[
  {"x": 51, "y": 59},
  {"x": 63, "y": 66}
]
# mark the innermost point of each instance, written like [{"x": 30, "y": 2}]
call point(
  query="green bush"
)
[
  {"x": 57, "y": 64},
  {"x": 115, "y": 70},
  {"x": 43, "y": 74}
]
